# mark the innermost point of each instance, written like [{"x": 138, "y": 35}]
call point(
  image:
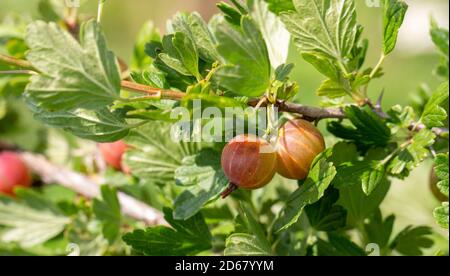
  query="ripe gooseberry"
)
[
  {"x": 249, "y": 162},
  {"x": 299, "y": 142},
  {"x": 13, "y": 173},
  {"x": 113, "y": 154}
]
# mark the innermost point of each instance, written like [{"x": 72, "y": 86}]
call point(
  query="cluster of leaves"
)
[
  {"x": 237, "y": 55},
  {"x": 52, "y": 221}
]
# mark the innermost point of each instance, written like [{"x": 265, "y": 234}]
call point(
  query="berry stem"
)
[{"x": 229, "y": 190}]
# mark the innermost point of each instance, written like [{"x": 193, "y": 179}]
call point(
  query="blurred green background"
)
[{"x": 410, "y": 66}]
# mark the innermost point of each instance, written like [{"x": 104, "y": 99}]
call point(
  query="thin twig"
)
[
  {"x": 151, "y": 91},
  {"x": 24, "y": 64},
  {"x": 101, "y": 3},
  {"x": 309, "y": 113},
  {"x": 378, "y": 66},
  {"x": 18, "y": 72}
]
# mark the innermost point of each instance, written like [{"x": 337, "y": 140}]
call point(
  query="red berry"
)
[
  {"x": 112, "y": 154},
  {"x": 299, "y": 143},
  {"x": 249, "y": 162},
  {"x": 13, "y": 173}
]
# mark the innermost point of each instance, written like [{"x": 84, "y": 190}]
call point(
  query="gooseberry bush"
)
[{"x": 285, "y": 189}]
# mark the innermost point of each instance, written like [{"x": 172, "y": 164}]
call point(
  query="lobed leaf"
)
[
  {"x": 107, "y": 210},
  {"x": 204, "y": 179},
  {"x": 413, "y": 154},
  {"x": 245, "y": 68},
  {"x": 441, "y": 215},
  {"x": 412, "y": 240},
  {"x": 393, "y": 15},
  {"x": 434, "y": 114},
  {"x": 327, "y": 27},
  {"x": 320, "y": 176},
  {"x": 441, "y": 169},
  {"x": 276, "y": 37},
  {"x": 187, "y": 237},
  {"x": 30, "y": 222},
  {"x": 73, "y": 75}
]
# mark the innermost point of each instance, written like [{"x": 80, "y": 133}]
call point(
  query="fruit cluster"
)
[{"x": 250, "y": 162}]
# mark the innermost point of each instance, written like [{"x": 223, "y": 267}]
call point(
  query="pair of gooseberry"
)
[{"x": 250, "y": 162}]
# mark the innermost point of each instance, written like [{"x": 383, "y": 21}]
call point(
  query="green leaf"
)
[
  {"x": 343, "y": 152},
  {"x": 187, "y": 237},
  {"x": 73, "y": 75},
  {"x": 246, "y": 66},
  {"x": 99, "y": 125},
  {"x": 153, "y": 110},
  {"x": 51, "y": 10},
  {"x": 31, "y": 222},
  {"x": 360, "y": 206},
  {"x": 331, "y": 89},
  {"x": 359, "y": 51},
  {"x": 401, "y": 117},
  {"x": 187, "y": 52},
  {"x": 441, "y": 215},
  {"x": 320, "y": 176},
  {"x": 378, "y": 230},
  {"x": 393, "y": 15},
  {"x": 324, "y": 215},
  {"x": 251, "y": 243},
  {"x": 441, "y": 169},
  {"x": 231, "y": 14},
  {"x": 327, "y": 27},
  {"x": 279, "y": 6},
  {"x": 369, "y": 129},
  {"x": 282, "y": 72},
  {"x": 440, "y": 38},
  {"x": 412, "y": 240},
  {"x": 204, "y": 179},
  {"x": 174, "y": 64},
  {"x": 434, "y": 114},
  {"x": 241, "y": 244},
  {"x": 373, "y": 177},
  {"x": 151, "y": 77},
  {"x": 201, "y": 94},
  {"x": 140, "y": 60},
  {"x": 338, "y": 245},
  {"x": 107, "y": 210},
  {"x": 194, "y": 27},
  {"x": 413, "y": 154},
  {"x": 322, "y": 64},
  {"x": 276, "y": 36},
  {"x": 153, "y": 155}
]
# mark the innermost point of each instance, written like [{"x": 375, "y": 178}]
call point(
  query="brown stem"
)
[
  {"x": 25, "y": 64},
  {"x": 309, "y": 113},
  {"x": 151, "y": 91},
  {"x": 229, "y": 190}
]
